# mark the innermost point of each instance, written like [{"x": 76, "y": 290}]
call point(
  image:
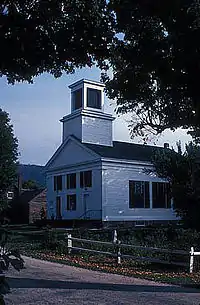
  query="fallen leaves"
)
[{"x": 109, "y": 265}]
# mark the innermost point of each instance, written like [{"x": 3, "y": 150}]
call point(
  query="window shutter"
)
[{"x": 161, "y": 195}]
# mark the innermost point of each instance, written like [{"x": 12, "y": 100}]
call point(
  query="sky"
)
[{"x": 35, "y": 111}]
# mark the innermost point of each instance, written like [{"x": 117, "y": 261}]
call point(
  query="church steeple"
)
[{"x": 87, "y": 120}]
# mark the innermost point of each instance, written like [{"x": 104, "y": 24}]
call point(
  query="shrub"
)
[{"x": 8, "y": 257}]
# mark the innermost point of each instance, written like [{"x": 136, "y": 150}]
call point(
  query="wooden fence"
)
[
  {"x": 118, "y": 246},
  {"x": 192, "y": 255}
]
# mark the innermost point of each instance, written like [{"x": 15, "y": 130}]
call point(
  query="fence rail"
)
[
  {"x": 94, "y": 251},
  {"x": 90, "y": 241},
  {"x": 154, "y": 260},
  {"x": 118, "y": 246},
  {"x": 181, "y": 252}
]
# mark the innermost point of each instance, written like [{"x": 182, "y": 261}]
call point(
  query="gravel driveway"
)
[{"x": 54, "y": 284}]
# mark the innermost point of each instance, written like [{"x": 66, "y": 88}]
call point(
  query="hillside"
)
[{"x": 32, "y": 172}]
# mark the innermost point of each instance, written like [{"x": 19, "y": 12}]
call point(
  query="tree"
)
[
  {"x": 52, "y": 36},
  {"x": 151, "y": 46},
  {"x": 8, "y": 158},
  {"x": 182, "y": 170},
  {"x": 156, "y": 65},
  {"x": 8, "y": 173},
  {"x": 30, "y": 184}
]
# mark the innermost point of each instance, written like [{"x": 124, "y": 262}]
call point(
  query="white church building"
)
[{"x": 92, "y": 177}]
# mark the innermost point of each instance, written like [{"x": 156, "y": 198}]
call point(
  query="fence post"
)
[
  {"x": 117, "y": 249},
  {"x": 115, "y": 237},
  {"x": 191, "y": 259},
  {"x": 69, "y": 243},
  {"x": 118, "y": 252}
]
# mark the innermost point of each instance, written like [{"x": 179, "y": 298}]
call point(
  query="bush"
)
[
  {"x": 8, "y": 257},
  {"x": 49, "y": 239},
  {"x": 165, "y": 238}
]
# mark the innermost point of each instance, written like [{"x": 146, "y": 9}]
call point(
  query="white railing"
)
[{"x": 118, "y": 246}]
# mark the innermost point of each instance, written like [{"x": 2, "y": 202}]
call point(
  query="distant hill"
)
[{"x": 32, "y": 172}]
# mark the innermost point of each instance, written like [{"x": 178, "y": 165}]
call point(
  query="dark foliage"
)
[
  {"x": 30, "y": 185},
  {"x": 182, "y": 170},
  {"x": 8, "y": 158},
  {"x": 8, "y": 257},
  {"x": 156, "y": 65},
  {"x": 152, "y": 48},
  {"x": 52, "y": 36},
  {"x": 18, "y": 211}
]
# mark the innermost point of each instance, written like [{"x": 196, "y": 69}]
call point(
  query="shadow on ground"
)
[{"x": 54, "y": 284}]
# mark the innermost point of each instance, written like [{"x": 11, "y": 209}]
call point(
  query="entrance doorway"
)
[{"x": 86, "y": 204}]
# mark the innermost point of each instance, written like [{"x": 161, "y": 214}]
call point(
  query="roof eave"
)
[{"x": 126, "y": 161}]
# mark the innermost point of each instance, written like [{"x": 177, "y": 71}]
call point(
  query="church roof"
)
[{"x": 124, "y": 150}]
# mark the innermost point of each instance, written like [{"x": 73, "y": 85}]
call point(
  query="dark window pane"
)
[
  {"x": 161, "y": 195},
  {"x": 139, "y": 194},
  {"x": 71, "y": 202},
  {"x": 168, "y": 196},
  {"x": 58, "y": 183},
  {"x": 93, "y": 98},
  {"x": 86, "y": 179},
  {"x": 77, "y": 99},
  {"x": 131, "y": 194},
  {"x": 71, "y": 181},
  {"x": 147, "y": 197},
  {"x": 54, "y": 183}
]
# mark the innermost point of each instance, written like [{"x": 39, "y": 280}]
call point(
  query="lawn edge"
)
[{"x": 77, "y": 265}]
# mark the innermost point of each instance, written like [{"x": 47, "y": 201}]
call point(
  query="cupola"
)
[{"x": 87, "y": 120}]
